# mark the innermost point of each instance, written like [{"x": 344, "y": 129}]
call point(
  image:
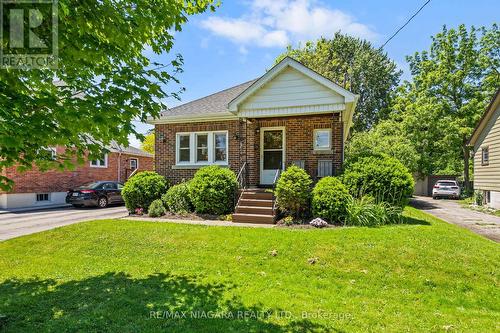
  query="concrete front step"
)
[
  {"x": 253, "y": 218},
  {"x": 254, "y": 210}
]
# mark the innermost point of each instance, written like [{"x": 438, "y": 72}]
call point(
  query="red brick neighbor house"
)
[
  {"x": 35, "y": 188},
  {"x": 290, "y": 115}
]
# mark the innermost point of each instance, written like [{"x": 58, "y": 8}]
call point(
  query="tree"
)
[
  {"x": 104, "y": 80},
  {"x": 451, "y": 85},
  {"x": 148, "y": 144},
  {"x": 357, "y": 66},
  {"x": 387, "y": 138}
]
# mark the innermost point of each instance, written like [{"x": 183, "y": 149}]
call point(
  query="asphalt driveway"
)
[
  {"x": 25, "y": 223},
  {"x": 483, "y": 224}
]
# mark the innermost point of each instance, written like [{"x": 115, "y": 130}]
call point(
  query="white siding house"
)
[{"x": 485, "y": 142}]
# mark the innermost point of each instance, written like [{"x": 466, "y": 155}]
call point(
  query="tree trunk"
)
[{"x": 466, "y": 151}]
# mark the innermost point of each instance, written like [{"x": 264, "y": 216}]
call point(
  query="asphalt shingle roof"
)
[
  {"x": 215, "y": 103},
  {"x": 114, "y": 146}
]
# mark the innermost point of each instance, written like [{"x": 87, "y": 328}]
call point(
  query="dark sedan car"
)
[{"x": 100, "y": 194}]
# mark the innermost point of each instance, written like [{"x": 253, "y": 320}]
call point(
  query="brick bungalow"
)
[
  {"x": 290, "y": 115},
  {"x": 35, "y": 188}
]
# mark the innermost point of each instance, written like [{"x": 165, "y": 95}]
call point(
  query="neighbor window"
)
[
  {"x": 48, "y": 153},
  {"x": 134, "y": 163},
  {"x": 42, "y": 197},
  {"x": 101, "y": 162},
  {"x": 201, "y": 148},
  {"x": 485, "y": 156},
  {"x": 322, "y": 139}
]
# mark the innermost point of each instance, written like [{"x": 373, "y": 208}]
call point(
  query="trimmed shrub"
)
[
  {"x": 329, "y": 200},
  {"x": 384, "y": 178},
  {"x": 142, "y": 189},
  {"x": 177, "y": 199},
  {"x": 212, "y": 190},
  {"x": 156, "y": 209},
  {"x": 366, "y": 212},
  {"x": 293, "y": 191}
]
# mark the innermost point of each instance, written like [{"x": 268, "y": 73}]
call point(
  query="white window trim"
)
[
  {"x": 137, "y": 162},
  {"x": 99, "y": 163},
  {"x": 329, "y": 130},
  {"x": 193, "y": 148}
]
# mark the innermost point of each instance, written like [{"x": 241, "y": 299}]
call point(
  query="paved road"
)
[
  {"x": 18, "y": 224},
  {"x": 483, "y": 224}
]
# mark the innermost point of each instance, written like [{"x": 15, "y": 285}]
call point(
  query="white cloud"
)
[{"x": 276, "y": 23}]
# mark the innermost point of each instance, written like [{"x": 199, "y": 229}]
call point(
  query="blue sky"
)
[{"x": 242, "y": 38}]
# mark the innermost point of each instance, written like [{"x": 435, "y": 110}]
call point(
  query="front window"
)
[
  {"x": 322, "y": 139},
  {"x": 485, "y": 156},
  {"x": 202, "y": 148},
  {"x": 101, "y": 162},
  {"x": 184, "y": 148},
  {"x": 220, "y": 147}
]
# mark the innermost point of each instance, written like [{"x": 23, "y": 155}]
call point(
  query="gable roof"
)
[
  {"x": 282, "y": 65},
  {"x": 223, "y": 105},
  {"x": 485, "y": 119}
]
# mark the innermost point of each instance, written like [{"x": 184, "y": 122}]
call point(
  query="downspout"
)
[{"x": 119, "y": 164}]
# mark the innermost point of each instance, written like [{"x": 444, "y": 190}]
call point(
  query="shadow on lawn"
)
[{"x": 118, "y": 302}]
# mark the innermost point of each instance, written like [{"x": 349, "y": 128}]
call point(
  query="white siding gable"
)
[{"x": 292, "y": 89}]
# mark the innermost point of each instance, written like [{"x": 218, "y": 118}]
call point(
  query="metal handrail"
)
[
  {"x": 276, "y": 177},
  {"x": 241, "y": 179}
]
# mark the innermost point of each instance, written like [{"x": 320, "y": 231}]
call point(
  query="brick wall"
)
[
  {"x": 36, "y": 181},
  {"x": 299, "y": 143}
]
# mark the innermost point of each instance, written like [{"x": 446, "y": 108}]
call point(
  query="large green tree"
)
[
  {"x": 105, "y": 79},
  {"x": 386, "y": 138},
  {"x": 451, "y": 85},
  {"x": 357, "y": 66}
]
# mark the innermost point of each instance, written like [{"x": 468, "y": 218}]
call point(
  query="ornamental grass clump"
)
[{"x": 367, "y": 212}]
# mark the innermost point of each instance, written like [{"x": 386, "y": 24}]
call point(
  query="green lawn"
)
[{"x": 115, "y": 275}]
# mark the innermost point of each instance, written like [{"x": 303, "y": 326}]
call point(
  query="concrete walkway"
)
[{"x": 452, "y": 212}]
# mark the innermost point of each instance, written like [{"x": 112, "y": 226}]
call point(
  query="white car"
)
[{"x": 446, "y": 189}]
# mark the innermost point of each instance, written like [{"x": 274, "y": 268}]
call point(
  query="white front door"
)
[{"x": 272, "y": 153}]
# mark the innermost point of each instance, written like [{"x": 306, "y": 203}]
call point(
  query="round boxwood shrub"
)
[
  {"x": 384, "y": 178},
  {"x": 142, "y": 189},
  {"x": 212, "y": 190},
  {"x": 177, "y": 199},
  {"x": 156, "y": 209},
  {"x": 293, "y": 191},
  {"x": 329, "y": 200}
]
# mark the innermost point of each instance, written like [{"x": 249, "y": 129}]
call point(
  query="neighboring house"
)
[
  {"x": 485, "y": 142},
  {"x": 290, "y": 115},
  {"x": 35, "y": 188}
]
